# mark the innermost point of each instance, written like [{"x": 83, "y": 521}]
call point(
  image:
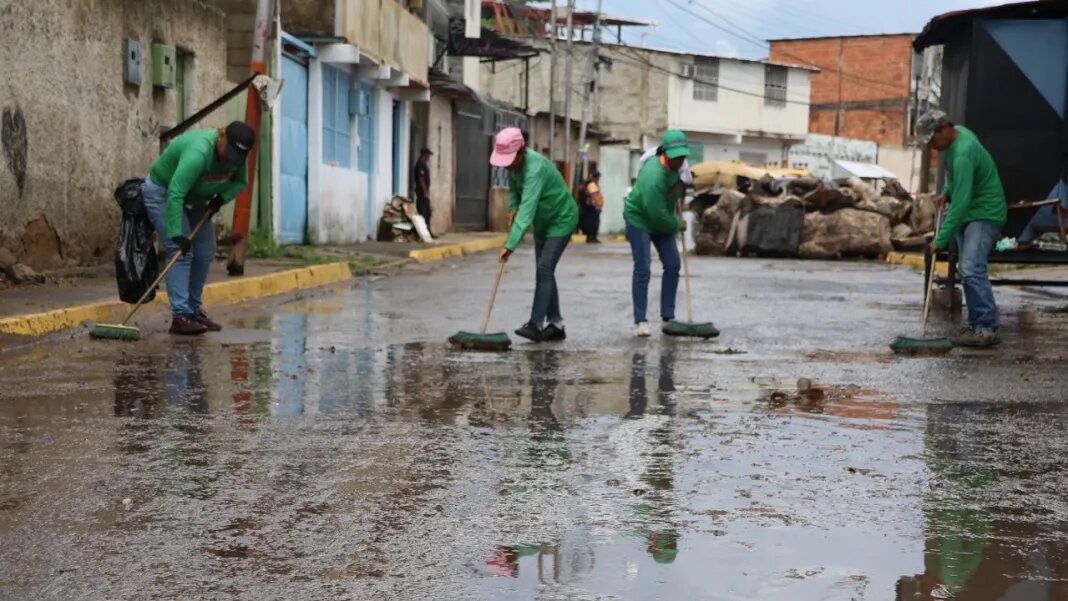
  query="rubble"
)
[
  {"x": 854, "y": 219},
  {"x": 401, "y": 223},
  {"x": 20, "y": 273},
  {"x": 845, "y": 233}
]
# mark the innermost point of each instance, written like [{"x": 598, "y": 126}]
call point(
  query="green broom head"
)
[
  {"x": 496, "y": 341},
  {"x": 692, "y": 330},
  {"x": 921, "y": 346},
  {"x": 106, "y": 331}
]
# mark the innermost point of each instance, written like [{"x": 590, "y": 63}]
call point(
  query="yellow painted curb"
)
[
  {"x": 914, "y": 261},
  {"x": 229, "y": 291},
  {"x": 438, "y": 253},
  {"x": 581, "y": 238}
]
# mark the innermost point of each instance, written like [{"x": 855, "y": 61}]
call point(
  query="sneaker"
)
[
  {"x": 530, "y": 332},
  {"x": 644, "y": 331},
  {"x": 203, "y": 318},
  {"x": 184, "y": 325},
  {"x": 979, "y": 338},
  {"x": 553, "y": 333}
]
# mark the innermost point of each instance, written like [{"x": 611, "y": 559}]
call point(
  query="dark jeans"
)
[
  {"x": 591, "y": 222},
  {"x": 547, "y": 254},
  {"x": 640, "y": 243},
  {"x": 422, "y": 206}
]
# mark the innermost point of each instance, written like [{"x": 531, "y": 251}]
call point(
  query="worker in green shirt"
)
[
  {"x": 538, "y": 198},
  {"x": 652, "y": 220},
  {"x": 200, "y": 171},
  {"x": 976, "y": 214}
]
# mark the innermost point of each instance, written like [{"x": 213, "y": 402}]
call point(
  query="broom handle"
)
[
  {"x": 170, "y": 264},
  {"x": 493, "y": 297},
  {"x": 685, "y": 269},
  {"x": 930, "y": 279}
]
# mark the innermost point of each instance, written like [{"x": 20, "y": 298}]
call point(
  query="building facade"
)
[
  {"x": 732, "y": 109},
  {"x": 865, "y": 85},
  {"x": 71, "y": 135}
]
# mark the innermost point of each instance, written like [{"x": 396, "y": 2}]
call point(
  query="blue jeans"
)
[
  {"x": 547, "y": 253},
  {"x": 185, "y": 281},
  {"x": 666, "y": 248},
  {"x": 974, "y": 244}
]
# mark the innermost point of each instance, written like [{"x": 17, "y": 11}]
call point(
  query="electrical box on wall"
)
[
  {"x": 133, "y": 55},
  {"x": 164, "y": 67}
]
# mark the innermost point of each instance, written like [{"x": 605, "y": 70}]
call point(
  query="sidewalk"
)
[{"x": 72, "y": 297}]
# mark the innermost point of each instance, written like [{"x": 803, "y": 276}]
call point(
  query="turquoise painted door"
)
[
  {"x": 366, "y": 121},
  {"x": 293, "y": 158}
]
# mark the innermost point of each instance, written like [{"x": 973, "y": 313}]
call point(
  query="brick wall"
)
[{"x": 863, "y": 88}]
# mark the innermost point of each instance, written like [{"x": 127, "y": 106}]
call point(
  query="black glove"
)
[
  {"x": 183, "y": 244},
  {"x": 215, "y": 204}
]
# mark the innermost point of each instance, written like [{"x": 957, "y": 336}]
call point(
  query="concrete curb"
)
[
  {"x": 914, "y": 261},
  {"x": 229, "y": 291},
  {"x": 438, "y": 253}
]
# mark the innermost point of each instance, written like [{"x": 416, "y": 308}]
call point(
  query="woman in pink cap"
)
[{"x": 538, "y": 197}]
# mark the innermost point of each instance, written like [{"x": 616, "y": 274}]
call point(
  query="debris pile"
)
[
  {"x": 401, "y": 223},
  {"x": 804, "y": 217}
]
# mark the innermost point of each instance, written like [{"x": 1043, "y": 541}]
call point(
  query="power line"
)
[
  {"x": 746, "y": 36},
  {"x": 640, "y": 59}
]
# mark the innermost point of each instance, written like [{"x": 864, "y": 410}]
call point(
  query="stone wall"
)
[{"x": 71, "y": 130}]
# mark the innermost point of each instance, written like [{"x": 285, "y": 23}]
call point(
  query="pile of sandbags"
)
[{"x": 855, "y": 219}]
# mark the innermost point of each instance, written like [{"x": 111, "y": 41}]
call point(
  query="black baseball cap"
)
[
  {"x": 426, "y": 150},
  {"x": 239, "y": 141}
]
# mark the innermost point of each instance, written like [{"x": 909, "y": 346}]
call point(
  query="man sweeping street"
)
[
  {"x": 200, "y": 171},
  {"x": 652, "y": 221},
  {"x": 976, "y": 214},
  {"x": 538, "y": 198}
]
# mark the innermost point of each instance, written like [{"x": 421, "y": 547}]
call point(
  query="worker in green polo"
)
[
  {"x": 652, "y": 220},
  {"x": 538, "y": 198},
  {"x": 199, "y": 172},
  {"x": 977, "y": 211}
]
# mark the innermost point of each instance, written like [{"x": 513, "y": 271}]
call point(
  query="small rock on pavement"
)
[{"x": 22, "y": 274}]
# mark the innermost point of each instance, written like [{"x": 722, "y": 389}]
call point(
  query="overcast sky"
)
[{"x": 764, "y": 19}]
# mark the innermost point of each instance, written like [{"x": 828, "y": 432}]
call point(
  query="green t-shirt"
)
[
  {"x": 192, "y": 174},
  {"x": 651, "y": 204},
  {"x": 973, "y": 186},
  {"x": 539, "y": 194}
]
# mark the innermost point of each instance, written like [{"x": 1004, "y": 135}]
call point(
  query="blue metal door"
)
[
  {"x": 293, "y": 175},
  {"x": 366, "y": 121}
]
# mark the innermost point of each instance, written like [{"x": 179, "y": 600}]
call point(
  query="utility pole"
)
[
  {"x": 590, "y": 85},
  {"x": 568, "y": 172},
  {"x": 552, "y": 84}
]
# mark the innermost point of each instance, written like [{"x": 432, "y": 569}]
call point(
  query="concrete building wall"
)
[
  {"x": 633, "y": 95},
  {"x": 739, "y": 107},
  {"x": 863, "y": 88},
  {"x": 72, "y": 130},
  {"x": 442, "y": 164},
  {"x": 309, "y": 17}
]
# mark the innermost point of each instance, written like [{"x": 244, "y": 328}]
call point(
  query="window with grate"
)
[
  {"x": 337, "y": 123},
  {"x": 706, "y": 79},
  {"x": 775, "y": 85}
]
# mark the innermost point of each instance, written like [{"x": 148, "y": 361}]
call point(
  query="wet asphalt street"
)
[{"x": 332, "y": 446}]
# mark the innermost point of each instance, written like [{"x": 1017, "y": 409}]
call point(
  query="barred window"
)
[
  {"x": 706, "y": 79},
  {"x": 775, "y": 85}
]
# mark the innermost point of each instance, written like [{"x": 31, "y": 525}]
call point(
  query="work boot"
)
[
  {"x": 978, "y": 338},
  {"x": 203, "y": 318},
  {"x": 644, "y": 331},
  {"x": 530, "y": 332},
  {"x": 553, "y": 333},
  {"x": 185, "y": 325}
]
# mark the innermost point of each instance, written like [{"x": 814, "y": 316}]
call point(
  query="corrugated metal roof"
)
[{"x": 943, "y": 28}]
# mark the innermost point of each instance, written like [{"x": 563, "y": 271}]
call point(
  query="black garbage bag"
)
[{"x": 136, "y": 266}]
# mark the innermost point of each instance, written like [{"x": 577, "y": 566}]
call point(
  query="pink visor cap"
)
[{"x": 508, "y": 144}]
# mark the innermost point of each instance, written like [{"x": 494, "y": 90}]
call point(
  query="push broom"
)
[
  {"x": 497, "y": 341},
  {"x": 688, "y": 328},
  {"x": 121, "y": 331},
  {"x": 903, "y": 345}
]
